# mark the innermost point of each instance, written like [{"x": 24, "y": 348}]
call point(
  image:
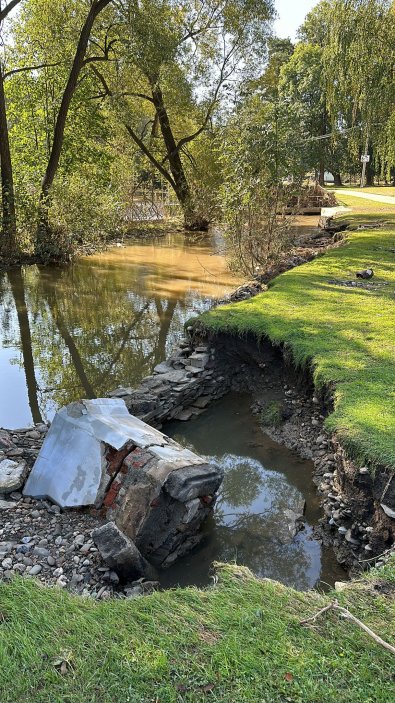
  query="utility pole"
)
[{"x": 365, "y": 158}]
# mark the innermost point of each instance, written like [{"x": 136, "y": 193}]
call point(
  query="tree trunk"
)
[
  {"x": 337, "y": 179},
  {"x": 182, "y": 189},
  {"x": 321, "y": 174},
  {"x": 8, "y": 242},
  {"x": 370, "y": 171},
  {"x": 58, "y": 137}
]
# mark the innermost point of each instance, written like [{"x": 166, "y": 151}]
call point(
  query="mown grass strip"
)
[
  {"x": 240, "y": 642},
  {"x": 346, "y": 334}
]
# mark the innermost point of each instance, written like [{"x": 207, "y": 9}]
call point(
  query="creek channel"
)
[{"x": 105, "y": 321}]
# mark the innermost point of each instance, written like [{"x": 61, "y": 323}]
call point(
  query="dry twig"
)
[{"x": 346, "y": 613}]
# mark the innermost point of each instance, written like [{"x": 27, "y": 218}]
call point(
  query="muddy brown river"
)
[{"x": 83, "y": 329}]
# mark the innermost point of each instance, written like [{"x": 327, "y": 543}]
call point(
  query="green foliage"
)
[
  {"x": 345, "y": 333},
  {"x": 84, "y": 212},
  {"x": 271, "y": 415},
  {"x": 259, "y": 154},
  {"x": 240, "y": 642},
  {"x": 360, "y": 54}
]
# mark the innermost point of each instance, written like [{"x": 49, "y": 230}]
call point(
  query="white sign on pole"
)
[{"x": 365, "y": 158}]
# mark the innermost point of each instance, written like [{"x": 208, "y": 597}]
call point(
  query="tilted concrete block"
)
[{"x": 120, "y": 553}]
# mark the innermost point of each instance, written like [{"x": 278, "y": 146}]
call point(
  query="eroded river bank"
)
[{"x": 75, "y": 317}]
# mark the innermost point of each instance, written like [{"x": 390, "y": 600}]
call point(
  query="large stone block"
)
[
  {"x": 191, "y": 482},
  {"x": 120, "y": 553},
  {"x": 154, "y": 492}
]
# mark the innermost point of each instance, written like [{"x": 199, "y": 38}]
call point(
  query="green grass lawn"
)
[
  {"x": 346, "y": 334},
  {"x": 236, "y": 643}
]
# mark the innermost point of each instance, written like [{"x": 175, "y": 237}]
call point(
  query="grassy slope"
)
[
  {"x": 348, "y": 334},
  {"x": 239, "y": 642}
]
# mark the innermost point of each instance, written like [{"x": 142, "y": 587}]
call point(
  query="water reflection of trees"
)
[
  {"x": 242, "y": 482},
  {"x": 82, "y": 330},
  {"x": 249, "y": 524},
  {"x": 296, "y": 564}
]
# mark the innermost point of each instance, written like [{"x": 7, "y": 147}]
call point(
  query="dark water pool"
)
[{"x": 262, "y": 481}]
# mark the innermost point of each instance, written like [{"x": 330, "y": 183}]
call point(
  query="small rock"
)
[
  {"x": 7, "y": 504},
  {"x": 134, "y": 592},
  {"x": 12, "y": 475},
  {"x": 351, "y": 540},
  {"x": 388, "y": 511},
  {"x": 41, "y": 552},
  {"x": 35, "y": 570},
  {"x": 20, "y": 568},
  {"x": 15, "y": 452},
  {"x": 33, "y": 434}
]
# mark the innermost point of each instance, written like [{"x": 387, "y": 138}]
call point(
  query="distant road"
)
[{"x": 389, "y": 199}]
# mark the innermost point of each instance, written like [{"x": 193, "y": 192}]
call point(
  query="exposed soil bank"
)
[{"x": 354, "y": 521}]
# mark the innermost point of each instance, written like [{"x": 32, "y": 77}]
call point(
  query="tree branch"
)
[
  {"x": 133, "y": 134},
  {"x": 14, "y": 71},
  {"x": 6, "y": 11},
  {"x": 223, "y": 76},
  {"x": 346, "y": 613},
  {"x": 106, "y": 50},
  {"x": 149, "y": 155}
]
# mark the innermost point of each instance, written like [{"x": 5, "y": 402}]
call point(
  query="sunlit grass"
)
[
  {"x": 346, "y": 334},
  {"x": 240, "y": 642}
]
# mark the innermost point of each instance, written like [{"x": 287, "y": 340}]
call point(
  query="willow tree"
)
[
  {"x": 175, "y": 61},
  {"x": 359, "y": 66}
]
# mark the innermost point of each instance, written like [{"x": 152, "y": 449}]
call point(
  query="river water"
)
[{"x": 83, "y": 329}]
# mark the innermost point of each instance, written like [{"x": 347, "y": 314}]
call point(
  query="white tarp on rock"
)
[{"x": 69, "y": 466}]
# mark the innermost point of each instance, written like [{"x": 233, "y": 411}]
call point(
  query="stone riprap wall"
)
[{"x": 180, "y": 387}]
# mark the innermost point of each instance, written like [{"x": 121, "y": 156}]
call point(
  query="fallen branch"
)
[{"x": 346, "y": 613}]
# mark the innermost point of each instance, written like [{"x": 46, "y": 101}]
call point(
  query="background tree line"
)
[{"x": 100, "y": 97}]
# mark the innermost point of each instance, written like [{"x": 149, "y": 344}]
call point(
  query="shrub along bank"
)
[
  {"x": 345, "y": 332},
  {"x": 240, "y": 642}
]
